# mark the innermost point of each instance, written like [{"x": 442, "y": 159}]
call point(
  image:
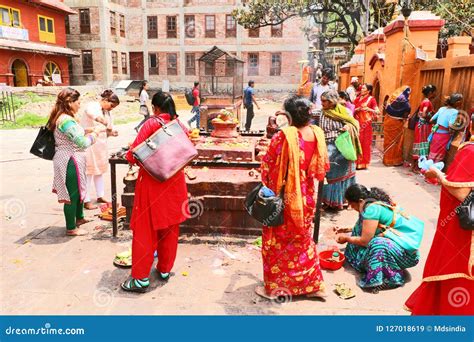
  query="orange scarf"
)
[{"x": 290, "y": 155}]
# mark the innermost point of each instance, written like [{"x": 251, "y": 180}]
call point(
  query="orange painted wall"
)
[{"x": 29, "y": 20}]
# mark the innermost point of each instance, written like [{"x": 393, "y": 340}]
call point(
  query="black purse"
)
[
  {"x": 266, "y": 210},
  {"x": 44, "y": 144},
  {"x": 413, "y": 120},
  {"x": 465, "y": 212}
]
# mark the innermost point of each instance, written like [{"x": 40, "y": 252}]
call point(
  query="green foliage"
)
[{"x": 26, "y": 120}]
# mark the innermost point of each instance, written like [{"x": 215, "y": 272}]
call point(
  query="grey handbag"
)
[{"x": 166, "y": 151}]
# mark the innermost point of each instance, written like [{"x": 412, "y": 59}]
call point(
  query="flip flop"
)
[{"x": 344, "y": 291}]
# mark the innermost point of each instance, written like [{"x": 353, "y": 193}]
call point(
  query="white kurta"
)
[{"x": 97, "y": 156}]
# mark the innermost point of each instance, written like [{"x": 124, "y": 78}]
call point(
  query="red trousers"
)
[{"x": 144, "y": 244}]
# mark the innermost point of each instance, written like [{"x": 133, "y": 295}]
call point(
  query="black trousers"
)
[{"x": 250, "y": 115}]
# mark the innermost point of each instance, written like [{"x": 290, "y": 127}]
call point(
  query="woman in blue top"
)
[
  {"x": 440, "y": 139},
  {"x": 380, "y": 260}
]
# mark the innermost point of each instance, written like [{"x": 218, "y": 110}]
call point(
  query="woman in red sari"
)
[
  {"x": 158, "y": 208},
  {"x": 366, "y": 110},
  {"x": 421, "y": 146},
  {"x": 290, "y": 259},
  {"x": 448, "y": 277}
]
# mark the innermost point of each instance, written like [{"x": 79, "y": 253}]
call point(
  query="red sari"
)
[
  {"x": 290, "y": 259},
  {"x": 421, "y": 146},
  {"x": 448, "y": 277},
  {"x": 365, "y": 132},
  {"x": 158, "y": 209}
]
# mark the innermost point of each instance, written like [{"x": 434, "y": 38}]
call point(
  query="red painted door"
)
[{"x": 136, "y": 66}]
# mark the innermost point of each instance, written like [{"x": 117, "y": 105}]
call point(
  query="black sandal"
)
[{"x": 133, "y": 285}]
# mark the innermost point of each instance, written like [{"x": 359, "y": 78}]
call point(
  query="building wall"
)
[
  {"x": 292, "y": 45},
  {"x": 29, "y": 19},
  {"x": 35, "y": 64}
]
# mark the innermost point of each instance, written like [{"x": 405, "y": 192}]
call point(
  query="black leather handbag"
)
[
  {"x": 465, "y": 212},
  {"x": 266, "y": 210},
  {"x": 44, "y": 144}
]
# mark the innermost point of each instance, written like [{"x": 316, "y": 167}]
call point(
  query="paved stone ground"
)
[{"x": 45, "y": 272}]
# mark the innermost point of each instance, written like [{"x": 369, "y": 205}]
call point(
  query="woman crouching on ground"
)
[
  {"x": 158, "y": 208},
  {"x": 380, "y": 260}
]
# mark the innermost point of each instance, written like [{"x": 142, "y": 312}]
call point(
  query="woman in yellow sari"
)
[{"x": 290, "y": 259}]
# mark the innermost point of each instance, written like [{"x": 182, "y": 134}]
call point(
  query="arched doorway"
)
[
  {"x": 52, "y": 73},
  {"x": 20, "y": 73}
]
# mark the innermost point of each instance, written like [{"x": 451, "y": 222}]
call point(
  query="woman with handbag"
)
[
  {"x": 70, "y": 157},
  {"x": 448, "y": 277},
  {"x": 144, "y": 110},
  {"x": 421, "y": 146},
  {"x": 366, "y": 110},
  {"x": 158, "y": 208},
  {"x": 97, "y": 157},
  {"x": 335, "y": 120},
  {"x": 379, "y": 259},
  {"x": 295, "y": 158}
]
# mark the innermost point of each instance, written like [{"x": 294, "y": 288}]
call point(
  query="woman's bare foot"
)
[
  {"x": 318, "y": 294},
  {"x": 76, "y": 232},
  {"x": 260, "y": 290},
  {"x": 90, "y": 206},
  {"x": 80, "y": 222},
  {"x": 102, "y": 200}
]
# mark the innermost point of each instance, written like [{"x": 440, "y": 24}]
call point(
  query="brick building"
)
[
  {"x": 33, "y": 42},
  {"x": 163, "y": 39}
]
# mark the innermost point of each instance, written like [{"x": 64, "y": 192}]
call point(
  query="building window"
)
[
  {"x": 190, "y": 64},
  {"x": 277, "y": 30},
  {"x": 230, "y": 26},
  {"x": 152, "y": 25},
  {"x": 114, "y": 62},
  {"x": 87, "y": 66},
  {"x": 66, "y": 23},
  {"x": 46, "y": 29},
  {"x": 172, "y": 64},
  {"x": 210, "y": 26},
  {"x": 153, "y": 63},
  {"x": 85, "y": 20},
  {"x": 275, "y": 69},
  {"x": 254, "y": 32},
  {"x": 122, "y": 25},
  {"x": 124, "y": 62},
  {"x": 113, "y": 28},
  {"x": 171, "y": 27},
  {"x": 52, "y": 72},
  {"x": 189, "y": 26},
  {"x": 10, "y": 16},
  {"x": 253, "y": 64}
]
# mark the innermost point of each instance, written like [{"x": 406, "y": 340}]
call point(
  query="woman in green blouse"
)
[{"x": 380, "y": 260}]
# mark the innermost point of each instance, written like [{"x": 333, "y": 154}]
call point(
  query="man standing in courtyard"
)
[
  {"x": 249, "y": 101},
  {"x": 196, "y": 106},
  {"x": 352, "y": 90},
  {"x": 322, "y": 87}
]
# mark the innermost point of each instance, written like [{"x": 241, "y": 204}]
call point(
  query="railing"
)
[{"x": 7, "y": 107}]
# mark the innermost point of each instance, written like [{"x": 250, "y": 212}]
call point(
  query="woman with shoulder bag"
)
[
  {"x": 448, "y": 277},
  {"x": 158, "y": 208},
  {"x": 296, "y": 156},
  {"x": 378, "y": 258},
  {"x": 70, "y": 157}
]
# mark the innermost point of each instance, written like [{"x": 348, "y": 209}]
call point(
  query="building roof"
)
[
  {"x": 10, "y": 44},
  {"x": 54, "y": 4},
  {"x": 216, "y": 53}
]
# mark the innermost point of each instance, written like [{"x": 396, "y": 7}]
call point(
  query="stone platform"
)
[{"x": 230, "y": 149}]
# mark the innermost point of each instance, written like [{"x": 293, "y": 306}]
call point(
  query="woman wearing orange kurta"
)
[
  {"x": 290, "y": 259},
  {"x": 448, "y": 278},
  {"x": 366, "y": 110}
]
